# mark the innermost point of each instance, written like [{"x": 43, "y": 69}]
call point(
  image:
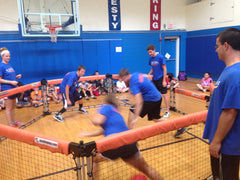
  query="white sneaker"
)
[
  {"x": 87, "y": 98},
  {"x": 167, "y": 114},
  {"x": 83, "y": 111},
  {"x": 93, "y": 97},
  {"x": 59, "y": 118}
]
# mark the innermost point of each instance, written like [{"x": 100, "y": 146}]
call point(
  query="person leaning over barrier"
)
[{"x": 223, "y": 120}]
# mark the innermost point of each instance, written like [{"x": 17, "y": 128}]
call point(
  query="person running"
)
[
  {"x": 112, "y": 122},
  {"x": 69, "y": 93},
  {"x": 148, "y": 99}
]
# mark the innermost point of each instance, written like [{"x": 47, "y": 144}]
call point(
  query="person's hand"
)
[
  {"x": 164, "y": 83},
  {"x": 82, "y": 134},
  {"x": 214, "y": 149},
  {"x": 69, "y": 102},
  {"x": 132, "y": 123},
  {"x": 18, "y": 76},
  {"x": 14, "y": 83}
]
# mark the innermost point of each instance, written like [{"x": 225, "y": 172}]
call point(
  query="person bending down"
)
[
  {"x": 112, "y": 122},
  {"x": 69, "y": 93}
]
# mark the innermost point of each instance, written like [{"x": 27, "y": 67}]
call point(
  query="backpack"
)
[{"x": 182, "y": 76}]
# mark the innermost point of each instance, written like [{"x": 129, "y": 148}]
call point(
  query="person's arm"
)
[
  {"x": 164, "y": 82},
  {"x": 225, "y": 123},
  {"x": 138, "y": 108},
  {"x": 3, "y": 81},
  {"x": 98, "y": 120},
  {"x": 67, "y": 94},
  {"x": 150, "y": 72}
]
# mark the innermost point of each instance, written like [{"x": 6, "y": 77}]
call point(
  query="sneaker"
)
[
  {"x": 17, "y": 124},
  {"x": 83, "y": 111},
  {"x": 87, "y": 98},
  {"x": 59, "y": 118},
  {"x": 167, "y": 114},
  {"x": 36, "y": 105},
  {"x": 93, "y": 97},
  {"x": 180, "y": 132}
]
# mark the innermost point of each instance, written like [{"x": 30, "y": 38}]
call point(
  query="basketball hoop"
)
[{"x": 53, "y": 31}]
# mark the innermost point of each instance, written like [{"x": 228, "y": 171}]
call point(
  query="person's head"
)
[
  {"x": 36, "y": 88},
  {"x": 207, "y": 75},
  {"x": 81, "y": 70},
  {"x": 108, "y": 76},
  {"x": 5, "y": 54},
  {"x": 151, "y": 50},
  {"x": 96, "y": 73},
  {"x": 170, "y": 76},
  {"x": 111, "y": 99},
  {"x": 19, "y": 84},
  {"x": 83, "y": 82},
  {"x": 124, "y": 75},
  {"x": 227, "y": 38}
]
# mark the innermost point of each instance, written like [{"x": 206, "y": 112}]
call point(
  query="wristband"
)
[{"x": 6, "y": 81}]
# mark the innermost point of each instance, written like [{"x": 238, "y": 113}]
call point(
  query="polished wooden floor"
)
[{"x": 177, "y": 160}]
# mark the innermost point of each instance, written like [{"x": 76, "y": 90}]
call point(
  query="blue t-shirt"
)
[
  {"x": 156, "y": 63},
  {"x": 7, "y": 73},
  {"x": 114, "y": 121},
  {"x": 226, "y": 95},
  {"x": 70, "y": 79},
  {"x": 141, "y": 84}
]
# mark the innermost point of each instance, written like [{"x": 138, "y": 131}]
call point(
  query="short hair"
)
[
  {"x": 123, "y": 72},
  {"x": 112, "y": 100},
  {"x": 150, "y": 47},
  {"x": 81, "y": 67},
  {"x": 208, "y": 73},
  {"x": 231, "y": 36}
]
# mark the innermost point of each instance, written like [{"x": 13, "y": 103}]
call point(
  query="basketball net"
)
[{"x": 53, "y": 31}]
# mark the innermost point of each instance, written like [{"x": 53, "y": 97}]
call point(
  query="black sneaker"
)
[
  {"x": 59, "y": 118},
  {"x": 180, "y": 132}
]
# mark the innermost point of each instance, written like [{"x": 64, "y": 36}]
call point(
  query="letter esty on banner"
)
[
  {"x": 155, "y": 14},
  {"x": 114, "y": 15}
]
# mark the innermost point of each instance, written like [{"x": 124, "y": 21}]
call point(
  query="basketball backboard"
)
[{"x": 37, "y": 15}]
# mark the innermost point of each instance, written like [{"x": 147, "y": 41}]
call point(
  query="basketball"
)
[{"x": 139, "y": 177}]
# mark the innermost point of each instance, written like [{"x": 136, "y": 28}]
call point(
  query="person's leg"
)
[
  {"x": 200, "y": 87},
  {"x": 9, "y": 111},
  {"x": 215, "y": 168},
  {"x": 230, "y": 167},
  {"x": 166, "y": 100},
  {"x": 58, "y": 115},
  {"x": 139, "y": 163}
]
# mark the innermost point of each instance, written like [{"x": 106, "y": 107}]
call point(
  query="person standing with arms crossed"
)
[
  {"x": 159, "y": 72},
  {"x": 69, "y": 93},
  {"x": 8, "y": 81},
  {"x": 223, "y": 119}
]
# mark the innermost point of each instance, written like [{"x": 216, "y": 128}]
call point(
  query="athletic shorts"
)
[
  {"x": 75, "y": 96},
  {"x": 159, "y": 86},
  {"x": 152, "y": 109},
  {"x": 124, "y": 152},
  {"x": 12, "y": 96}
]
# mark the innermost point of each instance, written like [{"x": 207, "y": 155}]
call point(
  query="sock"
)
[
  {"x": 80, "y": 106},
  {"x": 61, "y": 111}
]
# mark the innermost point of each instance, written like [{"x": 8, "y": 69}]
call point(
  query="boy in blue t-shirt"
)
[
  {"x": 69, "y": 93},
  {"x": 223, "y": 120},
  {"x": 159, "y": 72},
  {"x": 148, "y": 98}
]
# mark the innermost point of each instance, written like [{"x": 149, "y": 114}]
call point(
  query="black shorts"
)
[
  {"x": 159, "y": 86},
  {"x": 75, "y": 96},
  {"x": 12, "y": 96},
  {"x": 124, "y": 152},
  {"x": 152, "y": 109}
]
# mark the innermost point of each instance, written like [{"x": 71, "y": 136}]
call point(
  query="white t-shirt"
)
[{"x": 121, "y": 85}]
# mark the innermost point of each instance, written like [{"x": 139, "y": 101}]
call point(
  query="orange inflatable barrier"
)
[
  {"x": 55, "y": 81},
  {"x": 133, "y": 135},
  {"x": 190, "y": 93},
  {"x": 43, "y": 141}
]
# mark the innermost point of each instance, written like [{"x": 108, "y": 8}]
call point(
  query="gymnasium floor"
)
[{"x": 76, "y": 123}]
